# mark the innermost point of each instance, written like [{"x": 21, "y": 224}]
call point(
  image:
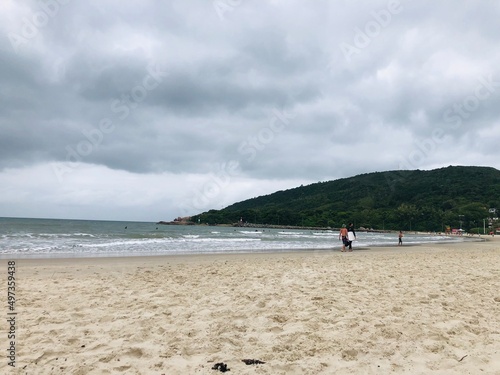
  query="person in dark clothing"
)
[{"x": 351, "y": 229}]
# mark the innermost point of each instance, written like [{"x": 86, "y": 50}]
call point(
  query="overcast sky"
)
[{"x": 148, "y": 110}]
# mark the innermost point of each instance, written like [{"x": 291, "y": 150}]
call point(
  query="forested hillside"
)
[{"x": 408, "y": 200}]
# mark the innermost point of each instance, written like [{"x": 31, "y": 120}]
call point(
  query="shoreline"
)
[
  {"x": 110, "y": 260},
  {"x": 430, "y": 308},
  {"x": 335, "y": 248}
]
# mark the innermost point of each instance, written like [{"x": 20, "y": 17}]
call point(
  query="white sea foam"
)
[{"x": 37, "y": 237}]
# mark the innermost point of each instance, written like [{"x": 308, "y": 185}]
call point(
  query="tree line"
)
[{"x": 456, "y": 197}]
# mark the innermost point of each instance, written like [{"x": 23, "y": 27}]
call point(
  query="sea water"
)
[{"x": 56, "y": 238}]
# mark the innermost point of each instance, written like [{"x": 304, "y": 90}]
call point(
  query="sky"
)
[{"x": 149, "y": 110}]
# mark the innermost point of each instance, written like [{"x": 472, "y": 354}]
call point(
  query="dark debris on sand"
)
[
  {"x": 252, "y": 362},
  {"x": 221, "y": 366}
]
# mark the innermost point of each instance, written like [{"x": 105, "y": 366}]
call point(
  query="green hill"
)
[{"x": 407, "y": 200}]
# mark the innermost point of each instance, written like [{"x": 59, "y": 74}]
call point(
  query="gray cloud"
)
[{"x": 180, "y": 89}]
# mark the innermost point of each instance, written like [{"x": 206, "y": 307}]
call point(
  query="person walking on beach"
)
[
  {"x": 344, "y": 237},
  {"x": 400, "y": 243},
  {"x": 350, "y": 237}
]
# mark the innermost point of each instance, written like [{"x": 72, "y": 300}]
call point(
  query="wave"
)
[{"x": 101, "y": 239}]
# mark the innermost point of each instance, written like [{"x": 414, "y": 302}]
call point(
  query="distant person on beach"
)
[
  {"x": 352, "y": 237},
  {"x": 344, "y": 237},
  {"x": 400, "y": 243}
]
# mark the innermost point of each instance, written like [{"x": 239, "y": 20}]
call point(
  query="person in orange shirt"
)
[{"x": 343, "y": 237}]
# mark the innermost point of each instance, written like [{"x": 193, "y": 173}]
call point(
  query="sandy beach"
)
[{"x": 409, "y": 310}]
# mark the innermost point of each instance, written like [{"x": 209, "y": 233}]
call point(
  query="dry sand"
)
[{"x": 409, "y": 310}]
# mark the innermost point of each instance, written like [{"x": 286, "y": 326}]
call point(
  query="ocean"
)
[{"x": 57, "y": 238}]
